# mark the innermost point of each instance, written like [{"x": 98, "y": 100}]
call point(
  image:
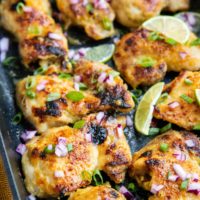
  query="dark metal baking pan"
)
[{"x": 9, "y": 133}]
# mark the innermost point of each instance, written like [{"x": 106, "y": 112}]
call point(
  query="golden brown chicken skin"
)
[
  {"x": 132, "y": 13},
  {"x": 41, "y": 40},
  {"x": 174, "y": 108},
  {"x": 52, "y": 101},
  {"x": 136, "y": 49},
  {"x": 51, "y": 169},
  {"x": 163, "y": 172},
  {"x": 96, "y": 17},
  {"x": 98, "y": 192}
]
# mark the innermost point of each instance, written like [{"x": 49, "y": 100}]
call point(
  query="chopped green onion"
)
[
  {"x": 134, "y": 98},
  {"x": 184, "y": 184},
  {"x": 82, "y": 86},
  {"x": 53, "y": 96},
  {"x": 187, "y": 81},
  {"x": 166, "y": 128},
  {"x": 169, "y": 174},
  {"x": 107, "y": 24},
  {"x": 86, "y": 176},
  {"x": 163, "y": 97},
  {"x": 64, "y": 76},
  {"x": 75, "y": 96},
  {"x": 80, "y": 124},
  {"x": 30, "y": 94},
  {"x": 35, "y": 30},
  {"x": 187, "y": 98},
  {"x": 154, "y": 131},
  {"x": 20, "y": 8},
  {"x": 17, "y": 118},
  {"x": 137, "y": 92},
  {"x": 69, "y": 147},
  {"x": 170, "y": 41},
  {"x": 145, "y": 61},
  {"x": 40, "y": 70},
  {"x": 164, "y": 147},
  {"x": 114, "y": 73},
  {"x": 97, "y": 177},
  {"x": 195, "y": 42},
  {"x": 117, "y": 187},
  {"x": 154, "y": 36},
  {"x": 89, "y": 7},
  {"x": 49, "y": 149},
  {"x": 9, "y": 61},
  {"x": 30, "y": 83},
  {"x": 196, "y": 127},
  {"x": 132, "y": 187}
]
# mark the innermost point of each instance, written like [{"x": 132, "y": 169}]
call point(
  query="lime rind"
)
[
  {"x": 144, "y": 112},
  {"x": 197, "y": 94},
  {"x": 101, "y": 53}
]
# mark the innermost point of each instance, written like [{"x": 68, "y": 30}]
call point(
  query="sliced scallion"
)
[
  {"x": 97, "y": 177},
  {"x": 86, "y": 176},
  {"x": 187, "y": 98},
  {"x": 82, "y": 86},
  {"x": 114, "y": 73},
  {"x": 30, "y": 83},
  {"x": 49, "y": 149},
  {"x": 64, "y": 76},
  {"x": 69, "y": 147},
  {"x": 187, "y": 81},
  {"x": 53, "y": 96},
  {"x": 132, "y": 187},
  {"x": 35, "y": 30},
  {"x": 145, "y": 61},
  {"x": 107, "y": 24},
  {"x": 164, "y": 147},
  {"x": 9, "y": 61},
  {"x": 195, "y": 42},
  {"x": 89, "y": 7},
  {"x": 154, "y": 131},
  {"x": 40, "y": 70},
  {"x": 20, "y": 8},
  {"x": 30, "y": 94},
  {"x": 75, "y": 96},
  {"x": 170, "y": 41},
  {"x": 166, "y": 128},
  {"x": 154, "y": 36},
  {"x": 79, "y": 124},
  {"x": 17, "y": 118},
  {"x": 196, "y": 127},
  {"x": 184, "y": 184}
]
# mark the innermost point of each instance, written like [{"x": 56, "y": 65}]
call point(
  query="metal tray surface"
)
[{"x": 10, "y": 133}]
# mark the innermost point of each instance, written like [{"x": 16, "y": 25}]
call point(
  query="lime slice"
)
[
  {"x": 197, "y": 94},
  {"x": 101, "y": 53},
  {"x": 144, "y": 112},
  {"x": 192, "y": 19},
  {"x": 169, "y": 26}
]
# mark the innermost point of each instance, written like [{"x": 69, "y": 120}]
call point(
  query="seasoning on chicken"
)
[
  {"x": 41, "y": 40},
  {"x": 65, "y": 159},
  {"x": 180, "y": 106},
  {"x": 168, "y": 166},
  {"x": 98, "y": 192},
  {"x": 132, "y": 13},
  {"x": 57, "y": 100},
  {"x": 96, "y": 17},
  {"x": 143, "y": 57}
]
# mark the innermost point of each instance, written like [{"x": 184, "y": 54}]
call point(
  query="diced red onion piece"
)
[
  {"x": 4, "y": 44},
  {"x": 27, "y": 9},
  {"x": 115, "y": 40},
  {"x": 41, "y": 85},
  {"x": 194, "y": 188},
  {"x": 129, "y": 121},
  {"x": 2, "y": 56},
  {"x": 172, "y": 178},
  {"x": 100, "y": 117},
  {"x": 82, "y": 52},
  {"x": 182, "y": 55},
  {"x": 102, "y": 77},
  {"x": 31, "y": 197},
  {"x": 123, "y": 190},
  {"x": 85, "y": 2},
  {"x": 180, "y": 171},
  {"x": 62, "y": 140},
  {"x": 88, "y": 137},
  {"x": 55, "y": 36},
  {"x": 74, "y": 1},
  {"x": 190, "y": 143},
  {"x": 110, "y": 79},
  {"x": 71, "y": 54},
  {"x": 76, "y": 86},
  {"x": 156, "y": 188},
  {"x": 100, "y": 4},
  {"x": 76, "y": 56},
  {"x": 21, "y": 148},
  {"x": 180, "y": 155},
  {"x": 119, "y": 130},
  {"x": 27, "y": 135},
  {"x": 61, "y": 150},
  {"x": 195, "y": 177},
  {"x": 174, "y": 104},
  {"x": 77, "y": 78},
  {"x": 59, "y": 174}
]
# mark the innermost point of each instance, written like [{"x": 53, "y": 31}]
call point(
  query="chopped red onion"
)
[
  {"x": 21, "y": 148},
  {"x": 190, "y": 143},
  {"x": 27, "y": 135},
  {"x": 31, "y": 197},
  {"x": 71, "y": 54},
  {"x": 194, "y": 188},
  {"x": 180, "y": 155},
  {"x": 59, "y": 174},
  {"x": 110, "y": 79},
  {"x": 2, "y": 56},
  {"x": 156, "y": 188},
  {"x": 27, "y": 9},
  {"x": 123, "y": 190},
  {"x": 88, "y": 137},
  {"x": 4, "y": 44},
  {"x": 100, "y": 4},
  {"x": 62, "y": 140},
  {"x": 119, "y": 130},
  {"x": 173, "y": 178},
  {"x": 195, "y": 177},
  {"x": 100, "y": 117},
  {"x": 129, "y": 121},
  {"x": 76, "y": 86},
  {"x": 55, "y": 36},
  {"x": 77, "y": 78},
  {"x": 102, "y": 77},
  {"x": 174, "y": 104},
  {"x": 180, "y": 171},
  {"x": 182, "y": 54},
  {"x": 82, "y": 52},
  {"x": 41, "y": 85},
  {"x": 115, "y": 40},
  {"x": 85, "y": 2},
  {"x": 74, "y": 1},
  {"x": 76, "y": 56},
  {"x": 61, "y": 150}
]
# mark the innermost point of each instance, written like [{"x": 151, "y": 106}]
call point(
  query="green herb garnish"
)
[
  {"x": 30, "y": 94},
  {"x": 82, "y": 86},
  {"x": 132, "y": 187},
  {"x": 64, "y": 76},
  {"x": 89, "y": 7},
  {"x": 170, "y": 41},
  {"x": 79, "y": 124},
  {"x": 164, "y": 147},
  {"x": 187, "y": 98},
  {"x": 196, "y": 127},
  {"x": 196, "y": 42},
  {"x": 49, "y": 149},
  {"x": 184, "y": 185},
  {"x": 75, "y": 96}
]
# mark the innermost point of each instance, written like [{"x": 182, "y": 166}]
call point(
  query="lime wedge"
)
[
  {"x": 144, "y": 112},
  {"x": 169, "y": 26},
  {"x": 101, "y": 53},
  {"x": 197, "y": 94}
]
